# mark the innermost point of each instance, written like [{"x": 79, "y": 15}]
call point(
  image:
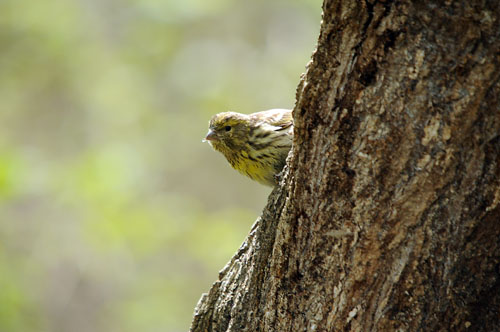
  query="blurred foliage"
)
[{"x": 113, "y": 215}]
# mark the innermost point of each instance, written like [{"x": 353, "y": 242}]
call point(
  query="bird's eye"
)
[{"x": 227, "y": 128}]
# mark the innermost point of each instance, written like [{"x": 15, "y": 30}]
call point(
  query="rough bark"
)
[{"x": 388, "y": 218}]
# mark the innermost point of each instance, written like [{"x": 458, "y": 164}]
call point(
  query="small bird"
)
[{"x": 255, "y": 144}]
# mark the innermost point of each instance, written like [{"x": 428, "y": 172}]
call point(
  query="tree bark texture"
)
[{"x": 388, "y": 216}]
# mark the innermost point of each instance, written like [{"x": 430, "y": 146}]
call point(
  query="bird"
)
[{"x": 256, "y": 144}]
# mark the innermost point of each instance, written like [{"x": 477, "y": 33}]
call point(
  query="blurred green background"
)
[{"x": 114, "y": 216}]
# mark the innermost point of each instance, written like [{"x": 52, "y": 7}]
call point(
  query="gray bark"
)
[{"x": 388, "y": 216}]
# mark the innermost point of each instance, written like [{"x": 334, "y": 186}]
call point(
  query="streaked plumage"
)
[{"x": 256, "y": 144}]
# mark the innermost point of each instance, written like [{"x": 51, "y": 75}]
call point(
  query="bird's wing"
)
[{"x": 279, "y": 118}]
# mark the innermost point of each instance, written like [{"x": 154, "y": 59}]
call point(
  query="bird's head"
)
[{"x": 228, "y": 130}]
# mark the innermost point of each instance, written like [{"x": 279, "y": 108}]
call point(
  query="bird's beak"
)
[{"x": 211, "y": 136}]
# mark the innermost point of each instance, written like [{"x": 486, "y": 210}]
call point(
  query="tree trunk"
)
[{"x": 388, "y": 216}]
